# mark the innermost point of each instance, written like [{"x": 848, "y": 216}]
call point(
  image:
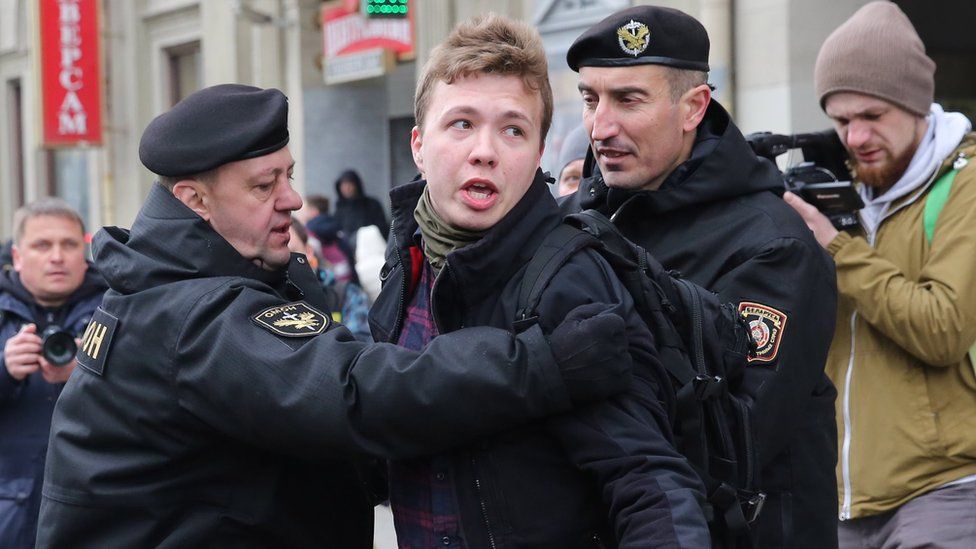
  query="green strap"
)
[{"x": 934, "y": 202}]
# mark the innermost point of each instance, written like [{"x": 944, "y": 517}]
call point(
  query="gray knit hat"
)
[
  {"x": 575, "y": 145},
  {"x": 877, "y": 52}
]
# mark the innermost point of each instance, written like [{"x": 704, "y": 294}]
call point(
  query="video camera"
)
[{"x": 822, "y": 179}]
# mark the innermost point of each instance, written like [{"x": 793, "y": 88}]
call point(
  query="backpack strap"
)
[
  {"x": 935, "y": 200},
  {"x": 604, "y": 230},
  {"x": 559, "y": 245}
]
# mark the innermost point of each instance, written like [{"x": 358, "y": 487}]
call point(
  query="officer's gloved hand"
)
[{"x": 590, "y": 347}]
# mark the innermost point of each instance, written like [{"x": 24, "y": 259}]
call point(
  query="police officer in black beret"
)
[
  {"x": 677, "y": 176},
  {"x": 216, "y": 405}
]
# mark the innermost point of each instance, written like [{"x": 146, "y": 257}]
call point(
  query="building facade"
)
[{"x": 155, "y": 52}]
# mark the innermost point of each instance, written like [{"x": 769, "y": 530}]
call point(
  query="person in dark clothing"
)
[
  {"x": 679, "y": 179},
  {"x": 50, "y": 285},
  {"x": 215, "y": 404},
  {"x": 354, "y": 209},
  {"x": 313, "y": 205},
  {"x": 346, "y": 300},
  {"x": 606, "y": 476},
  {"x": 332, "y": 247}
]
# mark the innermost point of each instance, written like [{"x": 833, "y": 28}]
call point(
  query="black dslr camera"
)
[
  {"x": 822, "y": 179},
  {"x": 58, "y": 346}
]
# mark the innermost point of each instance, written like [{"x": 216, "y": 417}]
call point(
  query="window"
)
[
  {"x": 185, "y": 76},
  {"x": 15, "y": 129}
]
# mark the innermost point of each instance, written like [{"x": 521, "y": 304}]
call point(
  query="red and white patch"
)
[{"x": 766, "y": 325}]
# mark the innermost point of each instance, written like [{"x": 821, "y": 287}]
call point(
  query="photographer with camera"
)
[
  {"x": 902, "y": 351},
  {"x": 46, "y": 301}
]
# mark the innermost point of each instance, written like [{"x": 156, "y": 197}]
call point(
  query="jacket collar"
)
[
  {"x": 480, "y": 270},
  {"x": 722, "y": 166},
  {"x": 91, "y": 284},
  {"x": 169, "y": 242}
]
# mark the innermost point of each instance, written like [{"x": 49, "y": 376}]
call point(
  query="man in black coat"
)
[
  {"x": 463, "y": 239},
  {"x": 355, "y": 209},
  {"x": 215, "y": 404},
  {"x": 677, "y": 177}
]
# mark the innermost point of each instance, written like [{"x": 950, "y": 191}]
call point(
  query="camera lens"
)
[{"x": 58, "y": 346}]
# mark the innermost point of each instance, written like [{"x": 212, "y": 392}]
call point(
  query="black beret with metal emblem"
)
[
  {"x": 214, "y": 126},
  {"x": 642, "y": 35}
]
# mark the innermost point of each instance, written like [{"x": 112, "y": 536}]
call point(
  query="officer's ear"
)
[
  {"x": 193, "y": 194},
  {"x": 693, "y": 104}
]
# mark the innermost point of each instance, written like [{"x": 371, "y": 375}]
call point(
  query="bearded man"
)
[{"x": 902, "y": 351}]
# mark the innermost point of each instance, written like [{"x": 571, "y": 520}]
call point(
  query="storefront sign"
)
[
  {"x": 70, "y": 72},
  {"x": 358, "y": 66},
  {"x": 346, "y": 31}
]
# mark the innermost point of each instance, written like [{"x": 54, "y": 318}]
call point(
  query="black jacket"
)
[
  {"x": 191, "y": 425},
  {"x": 719, "y": 220},
  {"x": 550, "y": 484},
  {"x": 26, "y": 405},
  {"x": 361, "y": 211}
]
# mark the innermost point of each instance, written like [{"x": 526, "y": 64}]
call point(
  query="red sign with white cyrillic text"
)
[
  {"x": 70, "y": 72},
  {"x": 345, "y": 31}
]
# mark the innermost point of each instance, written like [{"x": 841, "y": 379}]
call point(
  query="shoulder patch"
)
[
  {"x": 298, "y": 319},
  {"x": 766, "y": 325},
  {"x": 96, "y": 341}
]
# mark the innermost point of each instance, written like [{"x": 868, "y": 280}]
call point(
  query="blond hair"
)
[{"x": 488, "y": 44}]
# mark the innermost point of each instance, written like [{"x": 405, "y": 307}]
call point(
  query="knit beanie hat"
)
[
  {"x": 575, "y": 145},
  {"x": 877, "y": 52}
]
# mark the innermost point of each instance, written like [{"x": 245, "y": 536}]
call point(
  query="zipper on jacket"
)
[
  {"x": 481, "y": 502},
  {"x": 697, "y": 328},
  {"x": 401, "y": 306},
  {"x": 845, "y": 465},
  {"x": 699, "y": 351}
]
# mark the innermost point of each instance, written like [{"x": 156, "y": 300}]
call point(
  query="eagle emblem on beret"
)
[{"x": 634, "y": 37}]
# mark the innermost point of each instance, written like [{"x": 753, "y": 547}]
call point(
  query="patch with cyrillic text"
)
[
  {"x": 766, "y": 325},
  {"x": 96, "y": 341},
  {"x": 298, "y": 319}
]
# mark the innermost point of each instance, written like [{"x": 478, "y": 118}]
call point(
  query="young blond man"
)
[{"x": 608, "y": 476}]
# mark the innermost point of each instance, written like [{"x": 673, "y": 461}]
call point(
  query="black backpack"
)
[{"x": 704, "y": 345}]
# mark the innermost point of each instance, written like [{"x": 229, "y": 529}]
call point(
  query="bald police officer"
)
[
  {"x": 216, "y": 404},
  {"x": 679, "y": 179}
]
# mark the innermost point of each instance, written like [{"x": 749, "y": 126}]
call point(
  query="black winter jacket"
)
[
  {"x": 190, "y": 424},
  {"x": 719, "y": 220},
  {"x": 26, "y": 405},
  {"x": 551, "y": 484},
  {"x": 361, "y": 211}
]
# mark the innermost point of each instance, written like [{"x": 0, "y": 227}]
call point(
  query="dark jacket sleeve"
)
[
  {"x": 330, "y": 394},
  {"x": 625, "y": 443},
  {"x": 796, "y": 278},
  {"x": 10, "y": 388}
]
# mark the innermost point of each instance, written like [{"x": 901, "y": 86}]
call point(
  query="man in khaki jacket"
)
[{"x": 901, "y": 355}]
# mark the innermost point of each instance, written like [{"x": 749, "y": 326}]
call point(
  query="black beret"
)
[
  {"x": 214, "y": 126},
  {"x": 642, "y": 35}
]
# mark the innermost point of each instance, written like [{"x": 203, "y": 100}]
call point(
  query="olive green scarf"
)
[{"x": 440, "y": 238}]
